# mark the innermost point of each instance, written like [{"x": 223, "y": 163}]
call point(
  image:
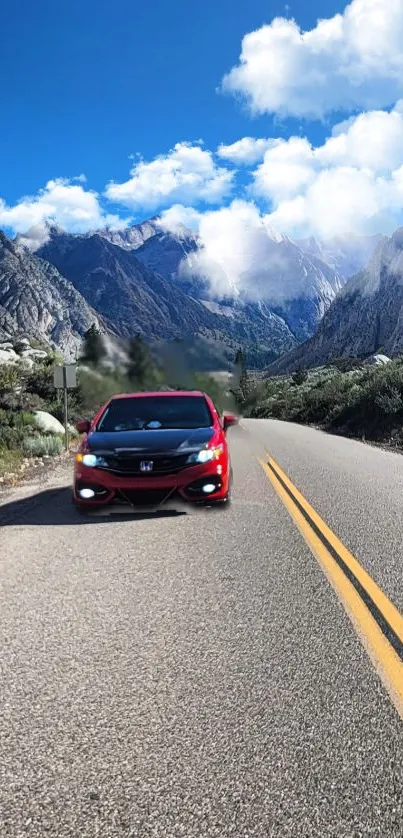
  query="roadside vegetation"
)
[
  {"x": 27, "y": 389},
  {"x": 346, "y": 397}
]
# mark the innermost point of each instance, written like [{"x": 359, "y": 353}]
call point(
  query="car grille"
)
[
  {"x": 152, "y": 497},
  {"x": 131, "y": 466}
]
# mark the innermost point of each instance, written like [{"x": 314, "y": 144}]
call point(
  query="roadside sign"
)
[{"x": 65, "y": 376}]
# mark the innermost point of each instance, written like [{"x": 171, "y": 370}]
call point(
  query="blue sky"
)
[
  {"x": 87, "y": 86},
  {"x": 88, "y": 83}
]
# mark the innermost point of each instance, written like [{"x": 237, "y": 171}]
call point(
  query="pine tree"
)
[
  {"x": 299, "y": 376},
  {"x": 241, "y": 379},
  {"x": 140, "y": 368},
  {"x": 93, "y": 347}
]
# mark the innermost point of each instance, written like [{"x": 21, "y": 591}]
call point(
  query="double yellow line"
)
[{"x": 376, "y": 620}]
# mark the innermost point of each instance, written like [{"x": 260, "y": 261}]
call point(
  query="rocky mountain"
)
[
  {"x": 134, "y": 280},
  {"x": 129, "y": 296},
  {"x": 347, "y": 255},
  {"x": 162, "y": 251},
  {"x": 132, "y": 237},
  {"x": 364, "y": 319},
  {"x": 295, "y": 282},
  {"x": 132, "y": 298},
  {"x": 37, "y": 302}
]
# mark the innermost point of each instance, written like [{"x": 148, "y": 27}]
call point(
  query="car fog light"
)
[
  {"x": 87, "y": 494},
  {"x": 208, "y": 488}
]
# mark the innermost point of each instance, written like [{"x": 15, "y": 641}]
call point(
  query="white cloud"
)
[
  {"x": 373, "y": 140},
  {"x": 351, "y": 61},
  {"x": 62, "y": 202},
  {"x": 352, "y": 183},
  {"x": 340, "y": 201},
  {"x": 187, "y": 174},
  {"x": 178, "y": 218},
  {"x": 238, "y": 254},
  {"x": 287, "y": 168},
  {"x": 246, "y": 151}
]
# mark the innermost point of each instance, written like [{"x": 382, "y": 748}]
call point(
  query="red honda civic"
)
[{"x": 149, "y": 449}]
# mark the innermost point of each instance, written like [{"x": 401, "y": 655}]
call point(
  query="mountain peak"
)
[
  {"x": 397, "y": 238},
  {"x": 365, "y": 318}
]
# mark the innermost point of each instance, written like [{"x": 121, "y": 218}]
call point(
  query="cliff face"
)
[
  {"x": 37, "y": 302},
  {"x": 365, "y": 318}
]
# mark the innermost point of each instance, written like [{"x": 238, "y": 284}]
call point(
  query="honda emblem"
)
[{"x": 146, "y": 465}]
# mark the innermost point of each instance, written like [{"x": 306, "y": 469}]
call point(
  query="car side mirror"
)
[
  {"x": 229, "y": 421},
  {"x": 83, "y": 426}
]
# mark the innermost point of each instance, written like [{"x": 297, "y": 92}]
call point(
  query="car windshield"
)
[{"x": 153, "y": 413}]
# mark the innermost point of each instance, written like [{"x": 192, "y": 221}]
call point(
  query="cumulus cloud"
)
[
  {"x": 287, "y": 168},
  {"x": 187, "y": 174},
  {"x": 247, "y": 151},
  {"x": 62, "y": 202},
  {"x": 239, "y": 254},
  {"x": 351, "y": 183},
  {"x": 352, "y": 61},
  {"x": 178, "y": 219}
]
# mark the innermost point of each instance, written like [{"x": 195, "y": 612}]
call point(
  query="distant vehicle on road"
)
[{"x": 149, "y": 449}]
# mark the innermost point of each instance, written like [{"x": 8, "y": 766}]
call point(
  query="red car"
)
[{"x": 147, "y": 449}]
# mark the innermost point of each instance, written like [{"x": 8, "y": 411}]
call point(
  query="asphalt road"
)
[{"x": 197, "y": 675}]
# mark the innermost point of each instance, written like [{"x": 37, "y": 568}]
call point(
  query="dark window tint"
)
[{"x": 154, "y": 412}]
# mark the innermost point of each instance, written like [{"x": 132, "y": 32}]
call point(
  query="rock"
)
[
  {"x": 48, "y": 423},
  {"x": 29, "y": 363},
  {"x": 21, "y": 344},
  {"x": 37, "y": 354},
  {"x": 39, "y": 303},
  {"x": 377, "y": 360},
  {"x": 7, "y": 345},
  {"x": 8, "y": 356}
]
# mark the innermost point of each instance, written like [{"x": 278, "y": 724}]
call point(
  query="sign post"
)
[{"x": 65, "y": 378}]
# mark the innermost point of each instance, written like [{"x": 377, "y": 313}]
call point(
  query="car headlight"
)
[
  {"x": 206, "y": 454},
  {"x": 91, "y": 460}
]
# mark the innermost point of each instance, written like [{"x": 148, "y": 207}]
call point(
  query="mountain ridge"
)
[
  {"x": 36, "y": 301},
  {"x": 365, "y": 318},
  {"x": 131, "y": 298}
]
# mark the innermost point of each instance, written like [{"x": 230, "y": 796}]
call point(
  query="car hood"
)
[{"x": 149, "y": 441}]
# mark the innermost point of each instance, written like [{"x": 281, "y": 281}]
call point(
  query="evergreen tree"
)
[
  {"x": 299, "y": 376},
  {"x": 141, "y": 369},
  {"x": 241, "y": 387},
  {"x": 93, "y": 350}
]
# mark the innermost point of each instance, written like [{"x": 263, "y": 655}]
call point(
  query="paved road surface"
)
[{"x": 197, "y": 676}]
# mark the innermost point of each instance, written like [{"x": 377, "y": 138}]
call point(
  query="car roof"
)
[{"x": 142, "y": 395}]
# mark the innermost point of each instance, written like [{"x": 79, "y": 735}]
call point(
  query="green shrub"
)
[
  {"x": 360, "y": 400},
  {"x": 95, "y": 389},
  {"x": 299, "y": 377},
  {"x": 41, "y": 446},
  {"x": 40, "y": 381},
  {"x": 14, "y": 426},
  {"x": 9, "y": 460}
]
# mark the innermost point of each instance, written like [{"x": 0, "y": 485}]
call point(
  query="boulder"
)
[
  {"x": 28, "y": 363},
  {"x": 36, "y": 354},
  {"x": 8, "y": 356},
  {"x": 21, "y": 344},
  {"x": 377, "y": 360},
  {"x": 48, "y": 423}
]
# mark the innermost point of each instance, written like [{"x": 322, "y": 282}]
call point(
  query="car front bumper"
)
[{"x": 185, "y": 486}]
